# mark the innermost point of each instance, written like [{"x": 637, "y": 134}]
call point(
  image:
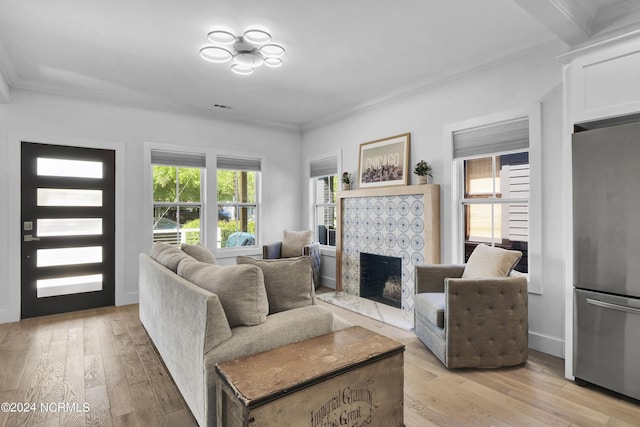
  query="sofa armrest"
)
[
  {"x": 430, "y": 277},
  {"x": 486, "y": 321},
  {"x": 272, "y": 250},
  {"x": 184, "y": 322}
]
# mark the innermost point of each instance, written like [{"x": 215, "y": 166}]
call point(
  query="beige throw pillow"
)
[
  {"x": 239, "y": 287},
  {"x": 488, "y": 261},
  {"x": 293, "y": 243},
  {"x": 200, "y": 252},
  {"x": 289, "y": 281},
  {"x": 167, "y": 255}
]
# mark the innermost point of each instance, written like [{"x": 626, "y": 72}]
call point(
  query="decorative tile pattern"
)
[{"x": 384, "y": 225}]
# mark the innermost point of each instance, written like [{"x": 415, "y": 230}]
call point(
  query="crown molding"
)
[
  {"x": 469, "y": 68},
  {"x": 569, "y": 20},
  {"x": 609, "y": 39}
]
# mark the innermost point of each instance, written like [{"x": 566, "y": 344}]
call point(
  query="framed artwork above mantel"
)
[{"x": 384, "y": 162}]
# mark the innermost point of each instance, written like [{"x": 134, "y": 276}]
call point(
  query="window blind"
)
[
  {"x": 238, "y": 163},
  {"x": 323, "y": 167},
  {"x": 175, "y": 158},
  {"x": 495, "y": 138}
]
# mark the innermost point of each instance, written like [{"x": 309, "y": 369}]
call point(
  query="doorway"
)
[{"x": 68, "y": 229}]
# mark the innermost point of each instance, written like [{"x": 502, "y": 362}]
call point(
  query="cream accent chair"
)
[{"x": 471, "y": 322}]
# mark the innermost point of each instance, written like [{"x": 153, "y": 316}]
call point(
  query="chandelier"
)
[{"x": 247, "y": 52}]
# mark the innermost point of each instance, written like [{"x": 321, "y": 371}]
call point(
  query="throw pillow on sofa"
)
[
  {"x": 240, "y": 289},
  {"x": 168, "y": 255},
  {"x": 487, "y": 262},
  {"x": 288, "y": 281},
  {"x": 293, "y": 242},
  {"x": 200, "y": 252}
]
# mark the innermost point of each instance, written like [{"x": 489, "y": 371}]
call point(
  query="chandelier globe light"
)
[{"x": 247, "y": 52}]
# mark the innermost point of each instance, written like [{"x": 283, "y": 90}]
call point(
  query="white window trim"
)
[
  {"x": 209, "y": 197},
  {"x": 324, "y": 249},
  {"x": 454, "y": 227}
]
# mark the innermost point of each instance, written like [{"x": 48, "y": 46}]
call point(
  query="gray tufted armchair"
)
[{"x": 471, "y": 323}]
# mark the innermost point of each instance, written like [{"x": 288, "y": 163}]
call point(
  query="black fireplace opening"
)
[{"x": 381, "y": 279}]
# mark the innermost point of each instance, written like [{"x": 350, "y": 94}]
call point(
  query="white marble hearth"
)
[{"x": 382, "y": 312}]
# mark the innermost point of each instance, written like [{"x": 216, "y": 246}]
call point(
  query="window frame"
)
[
  {"x": 311, "y": 199},
  {"x": 210, "y": 194},
  {"x": 491, "y": 199},
  {"x": 201, "y": 205},
  {"x": 316, "y": 205},
  {"x": 235, "y": 249},
  {"x": 454, "y": 223}
]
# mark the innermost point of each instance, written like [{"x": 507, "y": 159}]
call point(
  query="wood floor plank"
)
[
  {"x": 104, "y": 358},
  {"x": 99, "y": 414}
]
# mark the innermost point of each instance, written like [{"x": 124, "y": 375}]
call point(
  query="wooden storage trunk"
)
[{"x": 352, "y": 378}]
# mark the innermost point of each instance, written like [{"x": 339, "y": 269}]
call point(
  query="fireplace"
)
[
  {"x": 400, "y": 222},
  {"x": 381, "y": 278}
]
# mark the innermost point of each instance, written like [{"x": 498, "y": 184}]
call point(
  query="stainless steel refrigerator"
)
[{"x": 606, "y": 226}]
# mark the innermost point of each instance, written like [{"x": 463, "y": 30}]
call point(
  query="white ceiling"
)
[{"x": 342, "y": 56}]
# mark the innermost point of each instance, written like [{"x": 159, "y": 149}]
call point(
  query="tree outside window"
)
[
  {"x": 177, "y": 204},
  {"x": 237, "y": 208}
]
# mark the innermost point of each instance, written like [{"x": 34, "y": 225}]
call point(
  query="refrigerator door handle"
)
[{"x": 613, "y": 306}]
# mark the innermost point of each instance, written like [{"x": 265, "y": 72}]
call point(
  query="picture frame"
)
[{"x": 384, "y": 162}]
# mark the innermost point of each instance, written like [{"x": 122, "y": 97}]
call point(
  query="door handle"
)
[
  {"x": 612, "y": 306},
  {"x": 30, "y": 238}
]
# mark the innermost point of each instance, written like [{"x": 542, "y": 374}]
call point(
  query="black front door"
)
[{"x": 68, "y": 229}]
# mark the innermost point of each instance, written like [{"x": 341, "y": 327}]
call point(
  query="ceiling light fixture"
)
[{"x": 248, "y": 51}]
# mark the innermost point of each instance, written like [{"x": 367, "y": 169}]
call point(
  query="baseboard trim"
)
[
  {"x": 329, "y": 282},
  {"x": 128, "y": 298},
  {"x": 546, "y": 344},
  {"x": 8, "y": 316}
]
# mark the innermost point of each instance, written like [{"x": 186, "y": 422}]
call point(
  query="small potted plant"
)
[
  {"x": 423, "y": 170},
  {"x": 346, "y": 181}
]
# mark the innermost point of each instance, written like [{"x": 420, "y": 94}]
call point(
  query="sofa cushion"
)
[
  {"x": 240, "y": 289},
  {"x": 487, "y": 262},
  {"x": 430, "y": 307},
  {"x": 168, "y": 255},
  {"x": 289, "y": 281},
  {"x": 280, "y": 329},
  {"x": 293, "y": 242},
  {"x": 200, "y": 252}
]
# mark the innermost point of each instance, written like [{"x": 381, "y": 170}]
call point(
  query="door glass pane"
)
[
  {"x": 69, "y": 256},
  {"x": 69, "y": 285},
  {"x": 69, "y": 227},
  {"x": 69, "y": 197},
  {"x": 69, "y": 168}
]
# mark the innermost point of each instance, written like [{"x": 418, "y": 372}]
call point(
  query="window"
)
[
  {"x": 494, "y": 175},
  {"x": 496, "y": 203},
  {"x": 177, "y": 197},
  {"x": 237, "y": 193},
  {"x": 324, "y": 186}
]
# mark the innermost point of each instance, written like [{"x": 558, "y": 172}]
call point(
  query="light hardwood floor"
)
[{"x": 104, "y": 358}]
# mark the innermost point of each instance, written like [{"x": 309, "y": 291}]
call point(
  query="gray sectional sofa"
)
[{"x": 194, "y": 328}]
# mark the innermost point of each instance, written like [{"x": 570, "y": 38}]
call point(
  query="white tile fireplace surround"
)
[{"x": 401, "y": 221}]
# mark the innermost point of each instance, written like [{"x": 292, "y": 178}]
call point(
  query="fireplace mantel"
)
[{"x": 428, "y": 194}]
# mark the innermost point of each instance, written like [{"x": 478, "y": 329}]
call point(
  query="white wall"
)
[
  {"x": 52, "y": 118},
  {"x": 515, "y": 84}
]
